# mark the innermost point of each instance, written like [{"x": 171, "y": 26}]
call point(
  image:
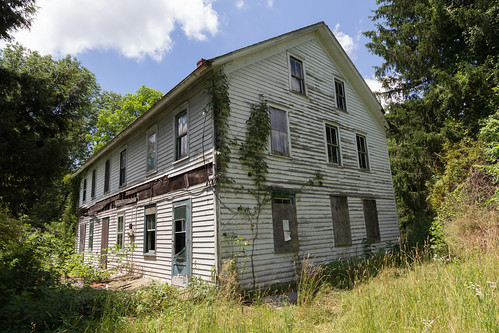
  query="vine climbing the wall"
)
[{"x": 218, "y": 91}]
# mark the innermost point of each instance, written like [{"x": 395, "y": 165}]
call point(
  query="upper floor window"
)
[
  {"x": 297, "y": 76},
  {"x": 107, "y": 175},
  {"x": 279, "y": 135},
  {"x": 333, "y": 145},
  {"x": 84, "y": 194},
  {"x": 94, "y": 175},
  {"x": 123, "y": 167},
  {"x": 181, "y": 136},
  {"x": 362, "y": 152},
  {"x": 339, "y": 88},
  {"x": 151, "y": 151}
]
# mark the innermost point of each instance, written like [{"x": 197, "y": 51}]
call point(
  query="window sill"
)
[
  {"x": 333, "y": 165},
  {"x": 304, "y": 95},
  {"x": 341, "y": 110},
  {"x": 150, "y": 173},
  {"x": 180, "y": 160},
  {"x": 149, "y": 254},
  {"x": 280, "y": 155}
]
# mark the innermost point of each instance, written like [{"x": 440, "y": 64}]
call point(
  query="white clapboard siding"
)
[
  {"x": 307, "y": 116},
  {"x": 199, "y": 126},
  {"x": 159, "y": 265}
]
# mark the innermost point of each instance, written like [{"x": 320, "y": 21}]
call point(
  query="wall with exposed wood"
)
[{"x": 267, "y": 73}]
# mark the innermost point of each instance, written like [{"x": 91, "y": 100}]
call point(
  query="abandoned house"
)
[{"x": 179, "y": 182}]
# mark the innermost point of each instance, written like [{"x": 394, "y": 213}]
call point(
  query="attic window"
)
[
  {"x": 84, "y": 194},
  {"x": 94, "y": 175},
  {"x": 297, "y": 77},
  {"x": 107, "y": 175}
]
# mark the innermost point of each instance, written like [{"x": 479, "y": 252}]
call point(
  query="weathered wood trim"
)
[{"x": 151, "y": 189}]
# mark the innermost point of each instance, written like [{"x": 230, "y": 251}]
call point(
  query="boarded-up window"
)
[
  {"x": 279, "y": 135},
  {"x": 150, "y": 229},
  {"x": 341, "y": 221},
  {"x": 107, "y": 176},
  {"x": 371, "y": 218},
  {"x": 285, "y": 224}
]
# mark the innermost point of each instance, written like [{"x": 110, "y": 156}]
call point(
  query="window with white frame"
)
[
  {"x": 333, "y": 145},
  {"x": 362, "y": 152},
  {"x": 181, "y": 135},
  {"x": 339, "y": 88},
  {"x": 279, "y": 132},
  {"x": 151, "y": 151},
  {"x": 123, "y": 167},
  {"x": 120, "y": 231},
  {"x": 297, "y": 76},
  {"x": 150, "y": 229}
]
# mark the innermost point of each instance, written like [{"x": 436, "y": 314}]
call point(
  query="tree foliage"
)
[
  {"x": 441, "y": 61},
  {"x": 115, "y": 112},
  {"x": 43, "y": 105},
  {"x": 14, "y": 15}
]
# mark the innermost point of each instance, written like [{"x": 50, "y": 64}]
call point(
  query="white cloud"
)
[
  {"x": 270, "y": 3},
  {"x": 346, "y": 41},
  {"x": 134, "y": 28},
  {"x": 240, "y": 4},
  {"x": 376, "y": 86}
]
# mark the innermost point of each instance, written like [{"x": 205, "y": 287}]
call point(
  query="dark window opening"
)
[
  {"x": 107, "y": 176},
  {"x": 84, "y": 194},
  {"x": 362, "y": 152},
  {"x": 151, "y": 152},
  {"x": 333, "y": 145},
  {"x": 339, "y": 88},
  {"x": 94, "y": 175},
  {"x": 297, "y": 77}
]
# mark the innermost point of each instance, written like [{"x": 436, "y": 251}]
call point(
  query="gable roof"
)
[{"x": 321, "y": 30}]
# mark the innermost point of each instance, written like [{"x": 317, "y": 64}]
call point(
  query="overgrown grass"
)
[{"x": 394, "y": 291}]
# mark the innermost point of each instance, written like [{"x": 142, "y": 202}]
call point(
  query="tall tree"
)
[
  {"x": 116, "y": 112},
  {"x": 15, "y": 15},
  {"x": 441, "y": 60},
  {"x": 43, "y": 104}
]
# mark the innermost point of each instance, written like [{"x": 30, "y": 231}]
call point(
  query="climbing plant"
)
[{"x": 218, "y": 90}]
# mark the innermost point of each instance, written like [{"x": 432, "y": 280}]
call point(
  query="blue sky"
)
[{"x": 128, "y": 43}]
